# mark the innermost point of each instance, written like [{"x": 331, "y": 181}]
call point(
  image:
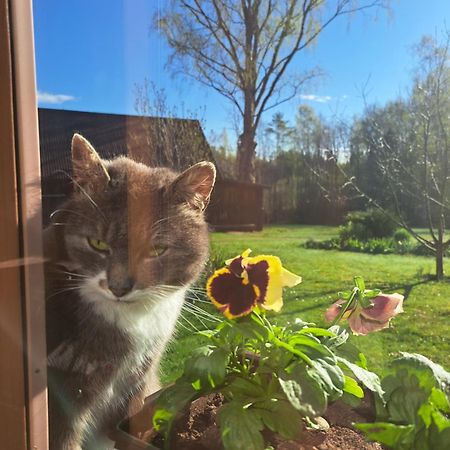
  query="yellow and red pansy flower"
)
[{"x": 249, "y": 282}]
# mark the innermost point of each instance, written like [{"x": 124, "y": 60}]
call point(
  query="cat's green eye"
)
[
  {"x": 98, "y": 245},
  {"x": 157, "y": 250}
]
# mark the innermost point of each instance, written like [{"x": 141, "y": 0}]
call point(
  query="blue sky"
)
[{"x": 90, "y": 54}]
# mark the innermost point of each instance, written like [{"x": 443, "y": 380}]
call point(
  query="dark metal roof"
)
[{"x": 155, "y": 141}]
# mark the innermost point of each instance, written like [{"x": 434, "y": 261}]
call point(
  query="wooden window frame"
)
[{"x": 23, "y": 377}]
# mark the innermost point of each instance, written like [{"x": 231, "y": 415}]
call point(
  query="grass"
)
[{"x": 423, "y": 328}]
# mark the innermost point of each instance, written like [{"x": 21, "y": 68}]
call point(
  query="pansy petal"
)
[
  {"x": 333, "y": 311},
  {"x": 258, "y": 275},
  {"x": 229, "y": 293},
  {"x": 289, "y": 279},
  {"x": 271, "y": 295},
  {"x": 362, "y": 326},
  {"x": 244, "y": 254},
  {"x": 384, "y": 307},
  {"x": 235, "y": 264},
  {"x": 273, "y": 303}
]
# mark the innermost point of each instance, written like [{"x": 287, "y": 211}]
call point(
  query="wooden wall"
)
[{"x": 236, "y": 206}]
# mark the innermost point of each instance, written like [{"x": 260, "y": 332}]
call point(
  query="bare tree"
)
[
  {"x": 242, "y": 49},
  {"x": 409, "y": 145}
]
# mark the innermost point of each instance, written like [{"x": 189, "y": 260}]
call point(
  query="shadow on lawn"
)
[{"x": 407, "y": 288}]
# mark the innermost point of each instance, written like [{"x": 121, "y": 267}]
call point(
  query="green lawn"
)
[{"x": 423, "y": 328}]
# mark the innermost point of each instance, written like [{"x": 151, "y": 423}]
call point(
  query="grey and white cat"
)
[{"x": 123, "y": 250}]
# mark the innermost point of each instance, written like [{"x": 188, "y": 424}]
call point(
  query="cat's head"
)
[{"x": 130, "y": 232}]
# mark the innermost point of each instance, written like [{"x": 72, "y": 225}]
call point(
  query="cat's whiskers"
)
[
  {"x": 61, "y": 291},
  {"x": 200, "y": 313},
  {"x": 73, "y": 274},
  {"x": 181, "y": 324},
  {"x": 197, "y": 317},
  {"x": 196, "y": 299},
  {"x": 159, "y": 222},
  {"x": 193, "y": 327},
  {"x": 197, "y": 289},
  {"x": 76, "y": 213}
]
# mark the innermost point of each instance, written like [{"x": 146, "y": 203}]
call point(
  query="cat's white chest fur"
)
[
  {"x": 140, "y": 314},
  {"x": 147, "y": 317},
  {"x": 152, "y": 325}
]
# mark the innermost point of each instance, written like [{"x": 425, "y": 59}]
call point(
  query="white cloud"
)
[
  {"x": 53, "y": 99},
  {"x": 316, "y": 98}
]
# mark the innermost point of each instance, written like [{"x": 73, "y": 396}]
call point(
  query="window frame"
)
[{"x": 23, "y": 376}]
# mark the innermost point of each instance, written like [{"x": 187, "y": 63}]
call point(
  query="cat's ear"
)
[
  {"x": 88, "y": 168},
  {"x": 195, "y": 185}
]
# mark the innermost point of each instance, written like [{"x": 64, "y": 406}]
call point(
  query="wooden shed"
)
[
  {"x": 155, "y": 141},
  {"x": 236, "y": 206}
]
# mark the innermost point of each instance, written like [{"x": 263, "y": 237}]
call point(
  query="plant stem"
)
[{"x": 345, "y": 307}]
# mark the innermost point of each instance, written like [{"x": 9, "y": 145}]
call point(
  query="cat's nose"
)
[{"x": 121, "y": 287}]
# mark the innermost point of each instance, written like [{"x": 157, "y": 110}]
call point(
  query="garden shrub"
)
[
  {"x": 374, "y": 246},
  {"x": 364, "y": 225},
  {"x": 401, "y": 235},
  {"x": 373, "y": 232},
  {"x": 329, "y": 244}
]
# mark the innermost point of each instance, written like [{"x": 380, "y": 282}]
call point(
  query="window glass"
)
[{"x": 178, "y": 135}]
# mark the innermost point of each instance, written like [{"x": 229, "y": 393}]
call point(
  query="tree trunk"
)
[
  {"x": 439, "y": 262},
  {"x": 246, "y": 157},
  {"x": 440, "y": 250}
]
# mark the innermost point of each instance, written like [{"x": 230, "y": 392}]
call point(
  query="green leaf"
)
[
  {"x": 369, "y": 379},
  {"x": 294, "y": 351},
  {"x": 252, "y": 330},
  {"x": 364, "y": 301},
  {"x": 359, "y": 283},
  {"x": 404, "y": 402},
  {"x": 207, "y": 333},
  {"x": 171, "y": 401},
  {"x": 344, "y": 295},
  {"x": 207, "y": 367},
  {"x": 352, "y": 353},
  {"x": 329, "y": 376},
  {"x": 400, "y": 437},
  {"x": 300, "y": 323},
  {"x": 350, "y": 400},
  {"x": 246, "y": 391},
  {"x": 309, "y": 345},
  {"x": 352, "y": 387},
  {"x": 340, "y": 338},
  {"x": 281, "y": 417},
  {"x": 440, "y": 400},
  {"x": 429, "y": 373},
  {"x": 240, "y": 427},
  {"x": 425, "y": 412},
  {"x": 317, "y": 331},
  {"x": 438, "y": 438},
  {"x": 304, "y": 392},
  {"x": 432, "y": 411},
  {"x": 372, "y": 293},
  {"x": 274, "y": 358},
  {"x": 440, "y": 420}
]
